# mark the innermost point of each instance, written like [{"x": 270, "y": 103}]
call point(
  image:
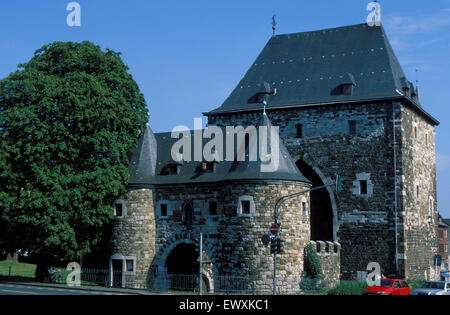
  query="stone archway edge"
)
[{"x": 326, "y": 180}]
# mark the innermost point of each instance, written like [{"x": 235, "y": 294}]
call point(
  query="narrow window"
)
[
  {"x": 305, "y": 209},
  {"x": 130, "y": 265},
  {"x": 426, "y": 139},
  {"x": 118, "y": 210},
  {"x": 212, "y": 208},
  {"x": 164, "y": 210},
  {"x": 431, "y": 208},
  {"x": 417, "y": 192},
  {"x": 188, "y": 215},
  {"x": 352, "y": 127},
  {"x": 363, "y": 187},
  {"x": 415, "y": 133},
  {"x": 245, "y": 204},
  {"x": 299, "y": 131}
]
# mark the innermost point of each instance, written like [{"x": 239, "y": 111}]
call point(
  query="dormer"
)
[
  {"x": 208, "y": 167},
  {"x": 346, "y": 86},
  {"x": 170, "y": 169}
]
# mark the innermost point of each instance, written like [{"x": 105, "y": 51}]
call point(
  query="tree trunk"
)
[{"x": 13, "y": 257}]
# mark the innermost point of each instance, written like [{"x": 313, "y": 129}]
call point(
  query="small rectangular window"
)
[
  {"x": 164, "y": 210},
  {"x": 363, "y": 187},
  {"x": 299, "y": 131},
  {"x": 305, "y": 209},
  {"x": 171, "y": 169},
  {"x": 245, "y": 204},
  {"x": 430, "y": 207},
  {"x": 208, "y": 167},
  {"x": 130, "y": 265},
  {"x": 352, "y": 127},
  {"x": 212, "y": 208},
  {"x": 118, "y": 210}
]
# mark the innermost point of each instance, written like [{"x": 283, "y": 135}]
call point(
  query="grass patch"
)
[{"x": 18, "y": 270}]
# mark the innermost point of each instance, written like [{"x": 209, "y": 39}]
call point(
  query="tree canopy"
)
[{"x": 69, "y": 119}]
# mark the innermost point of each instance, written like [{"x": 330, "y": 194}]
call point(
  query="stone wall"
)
[
  {"x": 400, "y": 195},
  {"x": 417, "y": 194},
  {"x": 364, "y": 225},
  {"x": 134, "y": 235},
  {"x": 232, "y": 241},
  {"x": 330, "y": 258}
]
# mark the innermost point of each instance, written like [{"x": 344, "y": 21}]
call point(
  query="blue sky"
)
[{"x": 187, "y": 56}]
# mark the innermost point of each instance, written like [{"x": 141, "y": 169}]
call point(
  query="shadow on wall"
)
[{"x": 321, "y": 209}]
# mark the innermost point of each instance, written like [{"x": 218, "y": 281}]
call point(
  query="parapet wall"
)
[{"x": 330, "y": 257}]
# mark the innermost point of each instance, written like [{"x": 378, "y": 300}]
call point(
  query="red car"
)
[{"x": 389, "y": 287}]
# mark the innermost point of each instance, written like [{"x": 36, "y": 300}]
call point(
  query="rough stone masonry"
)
[{"x": 343, "y": 106}]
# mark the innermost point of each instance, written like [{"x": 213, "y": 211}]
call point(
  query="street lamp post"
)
[{"x": 339, "y": 188}]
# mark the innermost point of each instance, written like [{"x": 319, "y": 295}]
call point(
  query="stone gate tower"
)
[{"x": 344, "y": 106}]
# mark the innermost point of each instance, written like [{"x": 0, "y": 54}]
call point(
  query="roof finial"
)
[{"x": 274, "y": 24}]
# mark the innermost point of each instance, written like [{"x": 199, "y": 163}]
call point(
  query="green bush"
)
[
  {"x": 415, "y": 284},
  {"x": 313, "y": 286},
  {"x": 313, "y": 265},
  {"x": 312, "y": 281},
  {"x": 348, "y": 288}
]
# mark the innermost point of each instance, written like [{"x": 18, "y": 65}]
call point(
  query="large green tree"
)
[{"x": 69, "y": 119}]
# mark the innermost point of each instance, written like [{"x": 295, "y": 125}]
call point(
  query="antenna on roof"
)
[
  {"x": 417, "y": 85},
  {"x": 274, "y": 24}
]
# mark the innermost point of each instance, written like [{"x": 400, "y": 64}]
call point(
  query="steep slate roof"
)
[
  {"x": 306, "y": 67},
  {"x": 286, "y": 168},
  {"x": 146, "y": 167},
  {"x": 142, "y": 166}
]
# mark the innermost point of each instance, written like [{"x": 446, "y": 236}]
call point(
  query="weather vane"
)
[{"x": 274, "y": 24}]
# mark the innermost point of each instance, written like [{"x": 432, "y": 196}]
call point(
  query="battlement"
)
[
  {"x": 330, "y": 258},
  {"x": 327, "y": 248}
]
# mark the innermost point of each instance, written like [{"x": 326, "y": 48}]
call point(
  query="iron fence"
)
[{"x": 189, "y": 284}]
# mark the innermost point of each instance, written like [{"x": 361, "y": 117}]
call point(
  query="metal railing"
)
[{"x": 179, "y": 283}]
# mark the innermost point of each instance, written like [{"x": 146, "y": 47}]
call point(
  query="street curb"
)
[{"x": 83, "y": 288}]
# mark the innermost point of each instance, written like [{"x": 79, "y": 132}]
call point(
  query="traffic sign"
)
[
  {"x": 274, "y": 229},
  {"x": 265, "y": 240}
]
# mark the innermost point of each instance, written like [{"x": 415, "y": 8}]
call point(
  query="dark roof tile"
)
[{"x": 306, "y": 68}]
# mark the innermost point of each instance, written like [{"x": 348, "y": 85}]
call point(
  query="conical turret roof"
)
[
  {"x": 274, "y": 161},
  {"x": 142, "y": 167}
]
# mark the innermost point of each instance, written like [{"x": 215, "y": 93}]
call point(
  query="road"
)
[{"x": 17, "y": 289}]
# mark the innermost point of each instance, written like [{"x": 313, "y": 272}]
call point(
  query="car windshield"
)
[
  {"x": 386, "y": 283},
  {"x": 434, "y": 285}
]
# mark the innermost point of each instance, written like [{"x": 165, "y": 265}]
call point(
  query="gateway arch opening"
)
[
  {"x": 183, "y": 260},
  {"x": 321, "y": 211},
  {"x": 183, "y": 269}
]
